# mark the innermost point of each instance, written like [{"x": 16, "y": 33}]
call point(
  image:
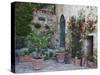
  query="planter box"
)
[
  {"x": 26, "y": 58},
  {"x": 91, "y": 64}
]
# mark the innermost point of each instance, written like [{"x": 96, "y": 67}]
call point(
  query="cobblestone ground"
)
[{"x": 50, "y": 65}]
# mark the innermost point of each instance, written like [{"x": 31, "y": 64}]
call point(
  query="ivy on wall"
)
[{"x": 24, "y": 15}]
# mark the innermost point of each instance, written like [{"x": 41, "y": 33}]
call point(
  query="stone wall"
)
[
  {"x": 44, "y": 17},
  {"x": 48, "y": 19},
  {"x": 53, "y": 20}
]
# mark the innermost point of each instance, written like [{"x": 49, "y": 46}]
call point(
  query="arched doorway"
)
[{"x": 62, "y": 31}]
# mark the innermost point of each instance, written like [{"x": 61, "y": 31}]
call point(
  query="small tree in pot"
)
[
  {"x": 78, "y": 58},
  {"x": 40, "y": 41}
]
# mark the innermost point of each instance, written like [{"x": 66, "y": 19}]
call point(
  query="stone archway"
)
[{"x": 62, "y": 31}]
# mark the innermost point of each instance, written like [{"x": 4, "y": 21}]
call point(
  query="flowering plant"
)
[
  {"x": 80, "y": 28},
  {"x": 89, "y": 25}
]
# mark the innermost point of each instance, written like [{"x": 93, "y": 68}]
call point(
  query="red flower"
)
[{"x": 84, "y": 28}]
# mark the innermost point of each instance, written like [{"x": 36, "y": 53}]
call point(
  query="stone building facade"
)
[
  {"x": 74, "y": 10},
  {"x": 45, "y": 17}
]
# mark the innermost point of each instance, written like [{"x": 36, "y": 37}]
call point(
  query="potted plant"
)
[
  {"x": 60, "y": 55},
  {"x": 40, "y": 41},
  {"x": 78, "y": 58},
  {"x": 25, "y": 56},
  {"x": 91, "y": 63}
]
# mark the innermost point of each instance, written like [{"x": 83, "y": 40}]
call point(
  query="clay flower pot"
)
[
  {"x": 25, "y": 58},
  {"x": 77, "y": 61},
  {"x": 38, "y": 63},
  {"x": 60, "y": 56},
  {"x": 91, "y": 64}
]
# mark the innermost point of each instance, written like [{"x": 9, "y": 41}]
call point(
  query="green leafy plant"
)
[
  {"x": 79, "y": 54},
  {"x": 25, "y": 53},
  {"x": 91, "y": 58},
  {"x": 24, "y": 16},
  {"x": 75, "y": 32},
  {"x": 40, "y": 41}
]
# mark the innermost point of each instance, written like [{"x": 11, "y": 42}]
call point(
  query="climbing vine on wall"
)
[{"x": 24, "y": 15}]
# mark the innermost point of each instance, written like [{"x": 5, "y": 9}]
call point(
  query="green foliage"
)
[
  {"x": 91, "y": 58},
  {"x": 20, "y": 42},
  {"x": 30, "y": 50},
  {"x": 39, "y": 40},
  {"x": 23, "y": 16},
  {"x": 25, "y": 53},
  {"x": 46, "y": 57},
  {"x": 89, "y": 29},
  {"x": 76, "y": 32},
  {"x": 79, "y": 54}
]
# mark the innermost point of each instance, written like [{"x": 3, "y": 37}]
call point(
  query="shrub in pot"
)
[
  {"x": 40, "y": 40},
  {"x": 60, "y": 55},
  {"x": 78, "y": 58},
  {"x": 37, "y": 60},
  {"x": 25, "y": 56}
]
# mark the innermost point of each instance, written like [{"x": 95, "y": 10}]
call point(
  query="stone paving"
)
[{"x": 50, "y": 65}]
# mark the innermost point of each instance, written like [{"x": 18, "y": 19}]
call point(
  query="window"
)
[{"x": 41, "y": 18}]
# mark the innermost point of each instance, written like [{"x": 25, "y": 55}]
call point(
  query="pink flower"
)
[
  {"x": 80, "y": 20},
  {"x": 71, "y": 17},
  {"x": 93, "y": 27},
  {"x": 84, "y": 28},
  {"x": 88, "y": 20},
  {"x": 95, "y": 21}
]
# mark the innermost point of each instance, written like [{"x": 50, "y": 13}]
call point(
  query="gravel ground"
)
[{"x": 50, "y": 65}]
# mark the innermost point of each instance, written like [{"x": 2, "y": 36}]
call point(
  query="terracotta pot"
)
[
  {"x": 91, "y": 64},
  {"x": 26, "y": 58},
  {"x": 60, "y": 56},
  {"x": 38, "y": 63},
  {"x": 77, "y": 62}
]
